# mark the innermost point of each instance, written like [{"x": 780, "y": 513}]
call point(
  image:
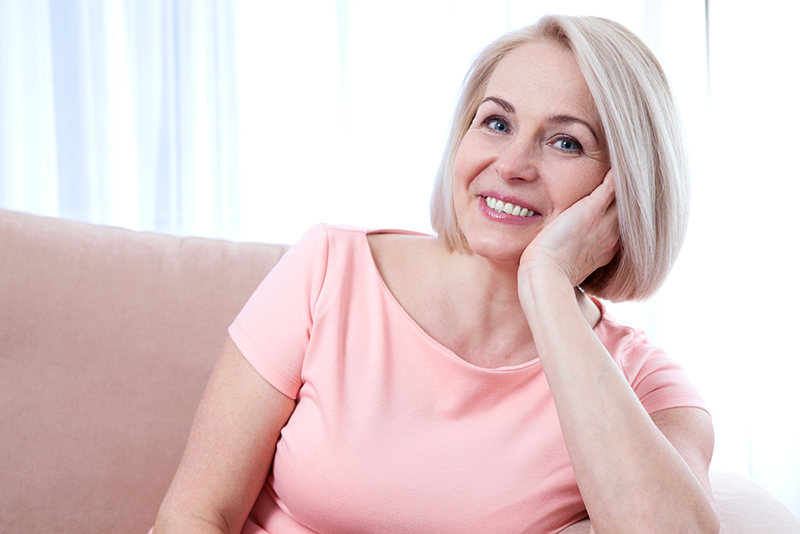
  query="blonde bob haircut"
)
[{"x": 643, "y": 135}]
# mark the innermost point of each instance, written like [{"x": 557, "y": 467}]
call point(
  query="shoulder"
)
[
  {"x": 658, "y": 380},
  {"x": 384, "y": 241},
  {"x": 631, "y": 348},
  {"x": 330, "y": 232},
  {"x": 402, "y": 256},
  {"x": 387, "y": 245},
  {"x": 322, "y": 242},
  {"x": 617, "y": 337}
]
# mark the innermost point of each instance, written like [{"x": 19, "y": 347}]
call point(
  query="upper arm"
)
[
  {"x": 231, "y": 445},
  {"x": 690, "y": 432}
]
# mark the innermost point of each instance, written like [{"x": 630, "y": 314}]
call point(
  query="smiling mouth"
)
[{"x": 507, "y": 207}]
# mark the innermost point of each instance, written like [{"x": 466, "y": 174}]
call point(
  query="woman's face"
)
[{"x": 533, "y": 149}]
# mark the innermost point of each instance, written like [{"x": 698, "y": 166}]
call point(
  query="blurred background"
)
[{"x": 254, "y": 120}]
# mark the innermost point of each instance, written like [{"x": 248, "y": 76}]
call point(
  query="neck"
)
[
  {"x": 486, "y": 319},
  {"x": 482, "y": 307}
]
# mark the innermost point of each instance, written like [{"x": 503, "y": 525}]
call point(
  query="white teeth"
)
[{"x": 507, "y": 207}]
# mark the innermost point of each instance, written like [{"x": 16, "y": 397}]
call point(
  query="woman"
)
[{"x": 395, "y": 382}]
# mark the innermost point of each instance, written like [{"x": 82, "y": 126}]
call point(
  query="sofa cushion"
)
[{"x": 107, "y": 338}]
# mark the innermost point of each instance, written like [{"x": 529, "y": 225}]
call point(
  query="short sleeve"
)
[
  {"x": 273, "y": 328},
  {"x": 658, "y": 381}
]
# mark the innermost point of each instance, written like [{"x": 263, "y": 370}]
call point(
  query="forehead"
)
[{"x": 542, "y": 73}]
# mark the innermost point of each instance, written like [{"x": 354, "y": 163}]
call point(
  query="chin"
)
[{"x": 502, "y": 253}]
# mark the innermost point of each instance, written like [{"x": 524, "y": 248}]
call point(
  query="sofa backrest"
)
[{"x": 107, "y": 338}]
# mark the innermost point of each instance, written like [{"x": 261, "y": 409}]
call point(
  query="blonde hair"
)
[{"x": 643, "y": 134}]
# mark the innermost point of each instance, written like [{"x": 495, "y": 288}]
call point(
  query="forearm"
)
[{"x": 630, "y": 476}]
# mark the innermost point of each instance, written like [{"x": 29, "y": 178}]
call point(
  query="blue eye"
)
[
  {"x": 498, "y": 125},
  {"x": 567, "y": 145}
]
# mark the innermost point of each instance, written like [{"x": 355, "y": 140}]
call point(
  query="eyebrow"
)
[
  {"x": 569, "y": 119},
  {"x": 554, "y": 119},
  {"x": 507, "y": 107}
]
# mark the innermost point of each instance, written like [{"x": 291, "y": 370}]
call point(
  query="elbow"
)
[
  {"x": 711, "y": 522},
  {"x": 703, "y": 518}
]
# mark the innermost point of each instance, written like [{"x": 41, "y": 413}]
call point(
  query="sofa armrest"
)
[{"x": 747, "y": 508}]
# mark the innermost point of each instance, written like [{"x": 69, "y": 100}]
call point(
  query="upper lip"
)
[{"x": 510, "y": 199}]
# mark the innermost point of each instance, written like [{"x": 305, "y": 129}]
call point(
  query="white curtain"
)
[
  {"x": 254, "y": 120},
  {"x": 744, "y": 258},
  {"x": 120, "y": 112}
]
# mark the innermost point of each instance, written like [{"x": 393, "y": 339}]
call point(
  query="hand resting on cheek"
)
[{"x": 580, "y": 240}]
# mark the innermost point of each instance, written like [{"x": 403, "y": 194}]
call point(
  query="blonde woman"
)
[{"x": 386, "y": 381}]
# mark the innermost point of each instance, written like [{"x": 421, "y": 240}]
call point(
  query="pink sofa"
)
[{"x": 107, "y": 337}]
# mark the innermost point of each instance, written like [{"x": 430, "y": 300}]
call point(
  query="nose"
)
[{"x": 518, "y": 161}]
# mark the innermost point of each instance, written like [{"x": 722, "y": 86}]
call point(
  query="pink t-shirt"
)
[{"x": 392, "y": 431}]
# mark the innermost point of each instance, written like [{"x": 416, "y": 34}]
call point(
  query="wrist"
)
[
  {"x": 540, "y": 277},
  {"x": 545, "y": 293}
]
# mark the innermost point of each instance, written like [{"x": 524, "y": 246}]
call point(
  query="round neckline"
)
[{"x": 418, "y": 328}]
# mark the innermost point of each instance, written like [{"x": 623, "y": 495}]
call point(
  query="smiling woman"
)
[{"x": 371, "y": 367}]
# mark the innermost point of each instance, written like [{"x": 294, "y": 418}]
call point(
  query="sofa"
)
[{"x": 107, "y": 338}]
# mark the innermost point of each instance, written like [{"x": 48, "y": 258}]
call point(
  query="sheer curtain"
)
[
  {"x": 744, "y": 257},
  {"x": 254, "y": 120},
  {"x": 120, "y": 112}
]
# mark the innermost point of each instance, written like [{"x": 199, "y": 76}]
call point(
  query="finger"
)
[
  {"x": 609, "y": 179},
  {"x": 606, "y": 191}
]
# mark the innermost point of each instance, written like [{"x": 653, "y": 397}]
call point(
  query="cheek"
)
[
  {"x": 461, "y": 165},
  {"x": 469, "y": 161},
  {"x": 572, "y": 181}
]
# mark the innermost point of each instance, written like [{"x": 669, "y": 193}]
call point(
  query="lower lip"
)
[{"x": 506, "y": 217}]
